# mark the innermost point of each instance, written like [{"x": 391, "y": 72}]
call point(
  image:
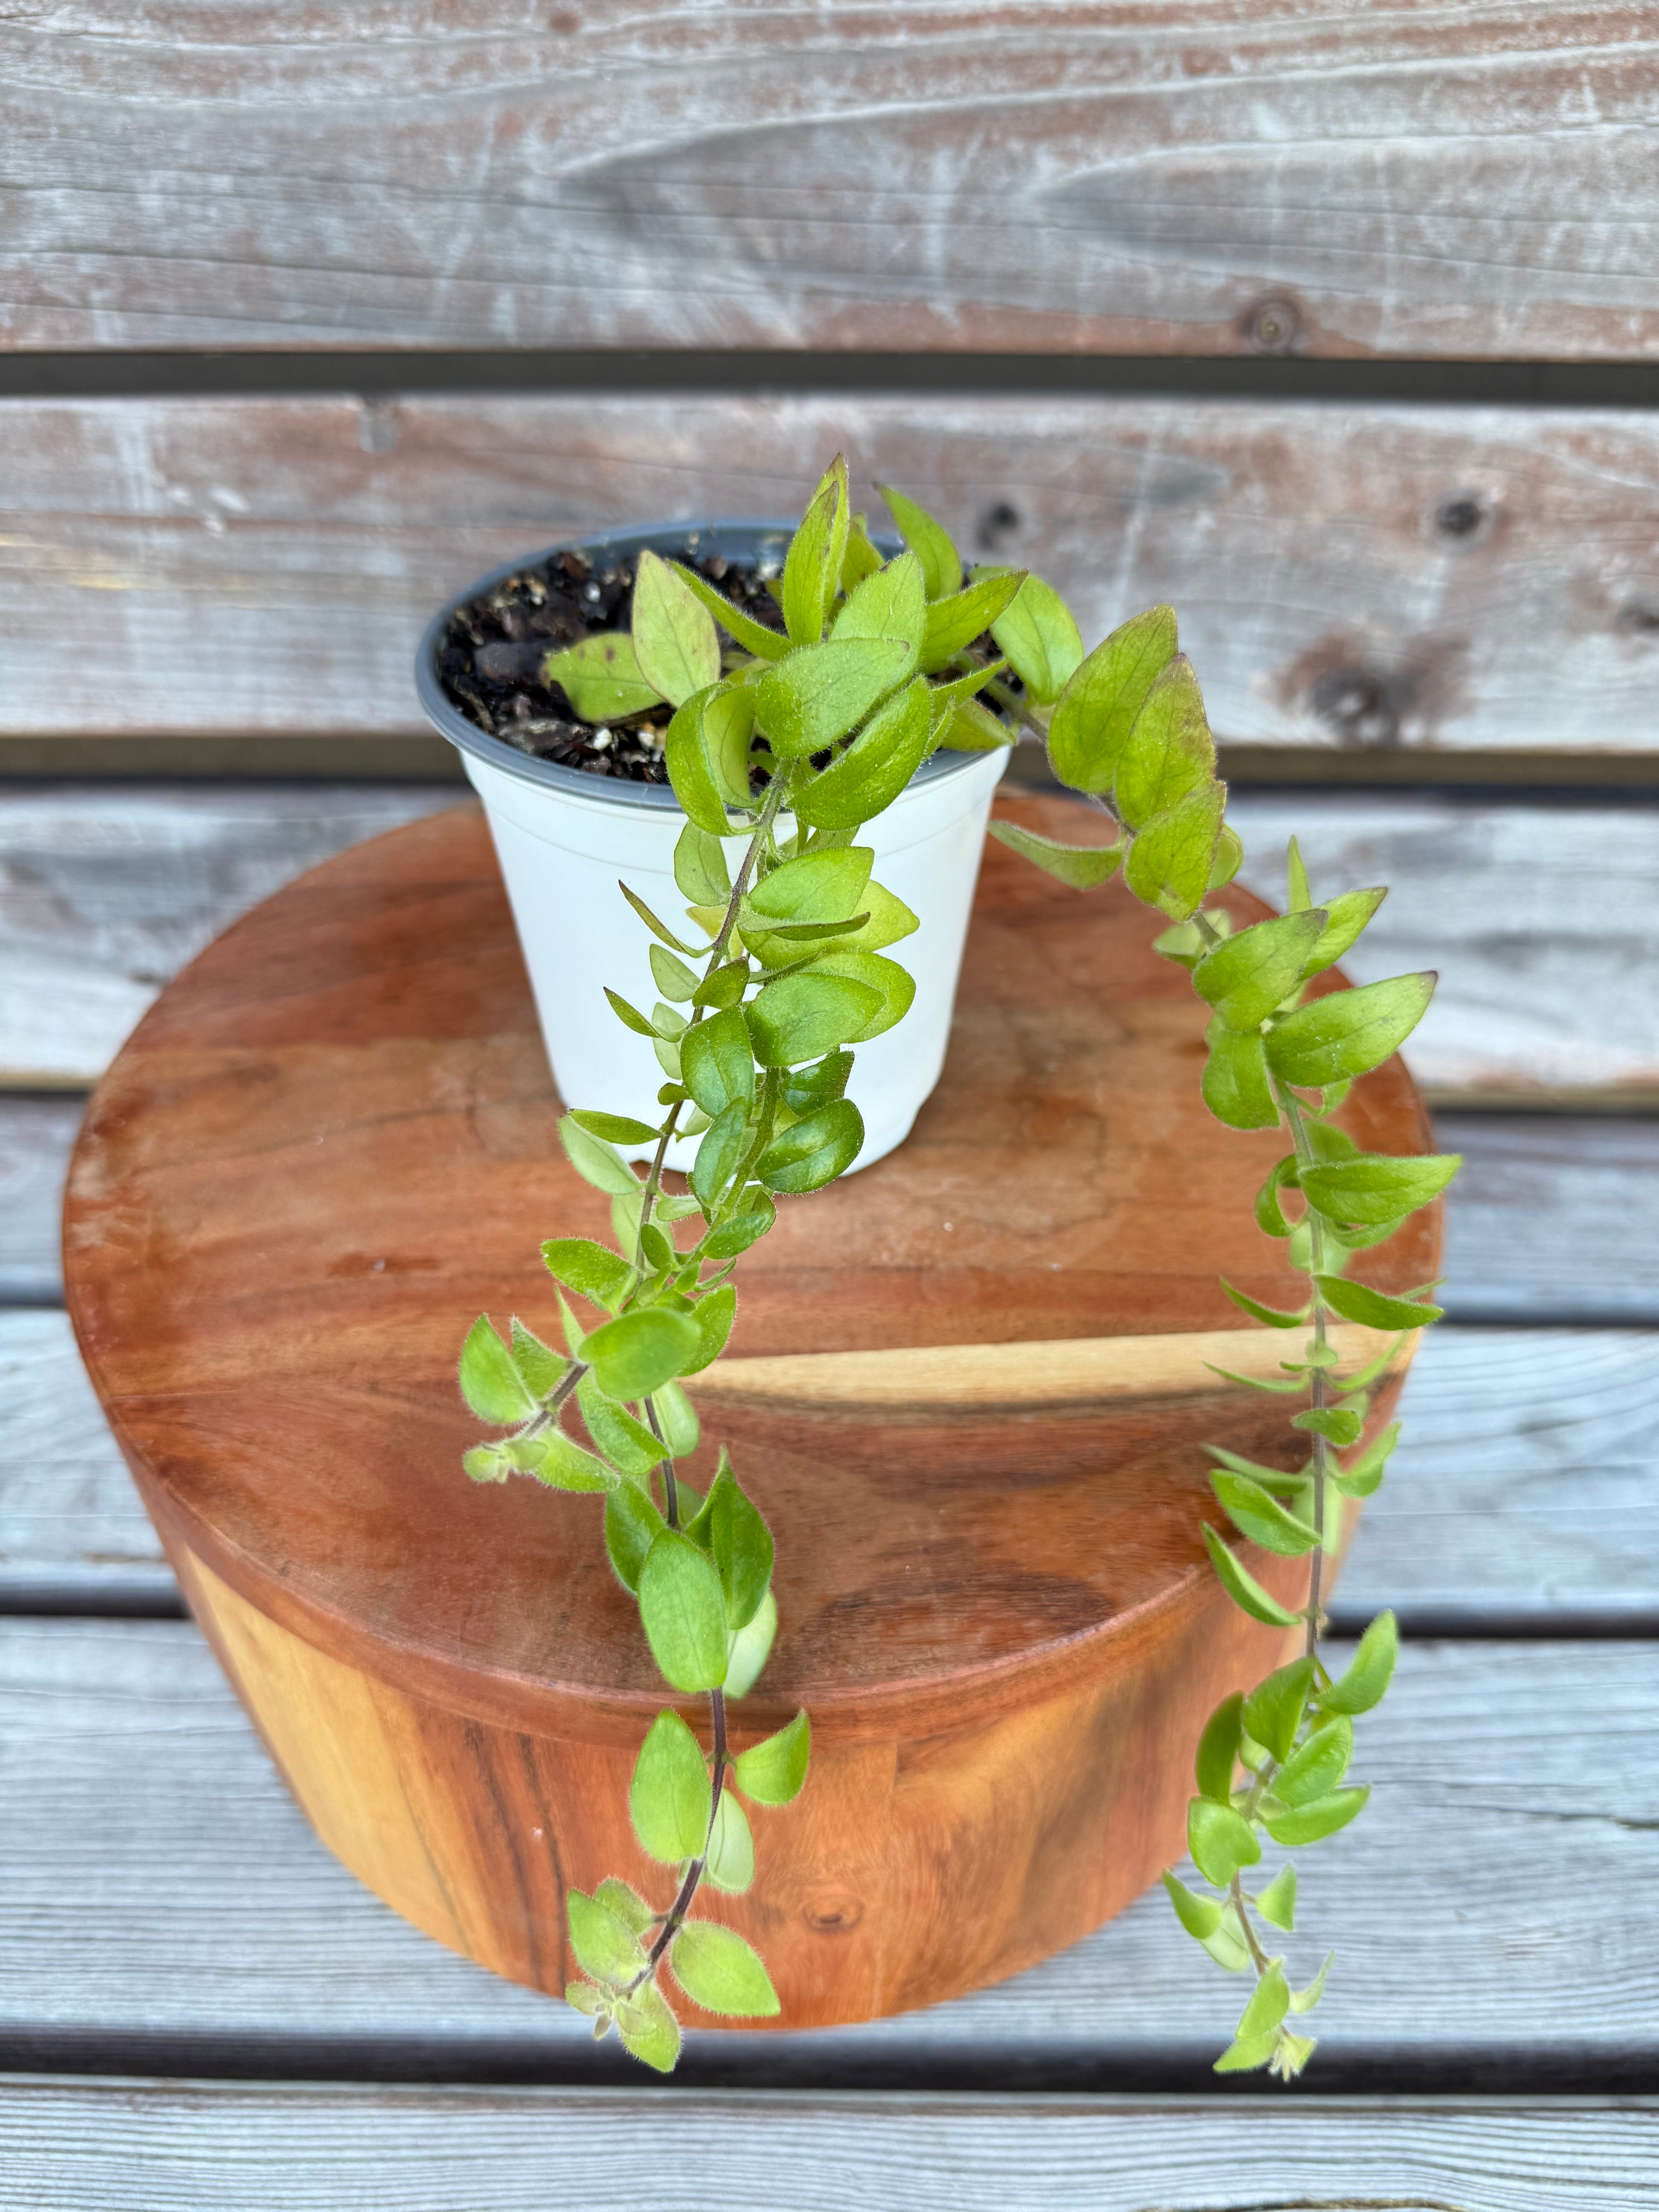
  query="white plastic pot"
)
[{"x": 565, "y": 839}]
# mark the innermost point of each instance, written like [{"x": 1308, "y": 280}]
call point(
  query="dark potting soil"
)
[{"x": 490, "y": 660}]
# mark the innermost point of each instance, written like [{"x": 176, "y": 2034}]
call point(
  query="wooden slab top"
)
[{"x": 331, "y": 1143}]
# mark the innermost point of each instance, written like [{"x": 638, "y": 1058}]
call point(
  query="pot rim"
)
[{"x": 745, "y": 533}]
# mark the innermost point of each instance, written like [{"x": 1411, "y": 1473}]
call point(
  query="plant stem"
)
[
  {"x": 1291, "y": 1107},
  {"x": 1258, "y": 1956},
  {"x": 770, "y": 807}
]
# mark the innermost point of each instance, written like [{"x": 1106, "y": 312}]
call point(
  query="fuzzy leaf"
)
[
  {"x": 590, "y": 1270},
  {"x": 717, "y": 1062},
  {"x": 1037, "y": 632},
  {"x": 731, "y": 1864},
  {"x": 812, "y": 567},
  {"x": 601, "y": 678},
  {"x": 1348, "y": 1033},
  {"x": 955, "y": 621},
  {"x": 684, "y": 1611},
  {"x": 1082, "y": 867},
  {"x": 1255, "y": 1514},
  {"x": 1370, "y": 1671},
  {"x": 1338, "y": 1425},
  {"x": 1372, "y": 1309},
  {"x": 1168, "y": 753},
  {"x": 1270, "y": 1316},
  {"x": 1221, "y": 1842},
  {"x": 1277, "y": 1903},
  {"x": 670, "y": 1797},
  {"x": 928, "y": 540},
  {"x": 818, "y": 887},
  {"x": 1234, "y": 1082},
  {"x": 626, "y": 1443},
  {"x": 632, "y": 1524},
  {"x": 639, "y": 1349},
  {"x": 1200, "y": 1916},
  {"x": 748, "y": 1649},
  {"x": 491, "y": 1385},
  {"x": 699, "y": 869},
  {"x": 1217, "y": 1758},
  {"x": 753, "y": 636},
  {"x": 648, "y": 2029},
  {"x": 773, "y": 1771},
  {"x": 1273, "y": 1710},
  {"x": 1345, "y": 917},
  {"x": 1374, "y": 1187},
  {"x": 1096, "y": 710},
  {"x": 719, "y": 1972},
  {"x": 1169, "y": 861},
  {"x": 802, "y": 1017},
  {"x": 1252, "y": 971},
  {"x": 887, "y": 608},
  {"x": 1316, "y": 1770},
  {"x": 1242, "y": 1588},
  {"x": 813, "y": 1151},
  {"x": 604, "y": 1946},
  {"x": 595, "y": 1161},
  {"x": 1312, "y": 1823},
  {"x": 822, "y": 691},
  {"x": 875, "y": 768},
  {"x": 675, "y": 644}
]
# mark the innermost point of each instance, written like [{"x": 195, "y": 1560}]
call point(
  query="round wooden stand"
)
[{"x": 967, "y": 1387}]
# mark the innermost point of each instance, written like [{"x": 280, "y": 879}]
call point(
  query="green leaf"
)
[
  {"x": 1305, "y": 2000},
  {"x": 1273, "y": 1710},
  {"x": 1370, "y": 1671},
  {"x": 813, "y": 1151},
  {"x": 749, "y": 1650},
  {"x": 691, "y": 765},
  {"x": 673, "y": 979},
  {"x": 802, "y": 1016},
  {"x": 721, "y": 988},
  {"x": 1268, "y": 2004},
  {"x": 929, "y": 542},
  {"x": 1170, "y": 753},
  {"x": 632, "y": 1524},
  {"x": 604, "y": 1946},
  {"x": 753, "y": 636},
  {"x": 1259, "y": 1515},
  {"x": 699, "y": 868},
  {"x": 827, "y": 887},
  {"x": 720, "y": 1153},
  {"x": 1169, "y": 863},
  {"x": 628, "y": 1015},
  {"x": 618, "y": 1128},
  {"x": 1316, "y": 1770},
  {"x": 491, "y": 1385},
  {"x": 595, "y": 1161},
  {"x": 1244, "y": 2055},
  {"x": 731, "y": 1864},
  {"x": 659, "y": 929},
  {"x": 1338, "y": 1425},
  {"x": 1365, "y": 1476},
  {"x": 1277, "y": 1903},
  {"x": 1348, "y": 1033},
  {"x": 1037, "y": 634},
  {"x": 675, "y": 644},
  {"x": 740, "y": 1544},
  {"x": 1269, "y": 1214},
  {"x": 648, "y": 2029},
  {"x": 773, "y": 1771},
  {"x": 541, "y": 1367},
  {"x": 1242, "y": 1588},
  {"x": 1312, "y": 1823},
  {"x": 820, "y": 692},
  {"x": 670, "y": 1797},
  {"x": 589, "y": 1269},
  {"x": 1227, "y": 1947},
  {"x": 561, "y": 1465},
  {"x": 626, "y": 1443},
  {"x": 594, "y": 2003},
  {"x": 1199, "y": 1916},
  {"x": 1228, "y": 859},
  {"x": 677, "y": 1417},
  {"x": 630, "y": 1907},
  {"x": 812, "y": 567},
  {"x": 1096, "y": 710},
  {"x": 719, "y": 1972},
  {"x": 890, "y": 607},
  {"x": 712, "y": 1318},
  {"x": 1374, "y": 1187},
  {"x": 1253, "y": 971},
  {"x": 1372, "y": 1309},
  {"x": 1235, "y": 1083},
  {"x": 862, "y": 559},
  {"x": 971, "y": 728},
  {"x": 1271, "y": 1316},
  {"x": 875, "y": 768},
  {"x": 1082, "y": 867},
  {"x": 954, "y": 623},
  {"x": 894, "y": 984},
  {"x": 745, "y": 1227},
  {"x": 717, "y": 1062},
  {"x": 1291, "y": 1482},
  {"x": 639, "y": 1349},
  {"x": 486, "y": 1463},
  {"x": 1345, "y": 917},
  {"x": 1221, "y": 1842},
  {"x": 1298, "y": 897},
  {"x": 684, "y": 1611},
  {"x": 601, "y": 678},
  {"x": 1217, "y": 1757}
]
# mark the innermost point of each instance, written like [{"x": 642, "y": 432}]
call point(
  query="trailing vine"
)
[{"x": 783, "y": 745}]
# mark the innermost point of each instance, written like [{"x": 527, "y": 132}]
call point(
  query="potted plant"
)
[{"x": 787, "y": 749}]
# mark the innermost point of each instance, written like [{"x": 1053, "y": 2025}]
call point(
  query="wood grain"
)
[
  {"x": 80, "y": 2146},
  {"x": 1371, "y": 579},
  {"x": 442, "y": 1673},
  {"x": 1392, "y": 178},
  {"x": 1516, "y": 1816},
  {"x": 105, "y": 893},
  {"x": 1525, "y": 1493}
]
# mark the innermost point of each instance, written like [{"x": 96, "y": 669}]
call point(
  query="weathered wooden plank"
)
[
  {"x": 35, "y": 1137},
  {"x": 1526, "y": 1492},
  {"x": 1350, "y": 577},
  {"x": 164, "y": 1900},
  {"x": 1389, "y": 179},
  {"x": 104, "y": 895},
  {"x": 87, "y": 2146}
]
